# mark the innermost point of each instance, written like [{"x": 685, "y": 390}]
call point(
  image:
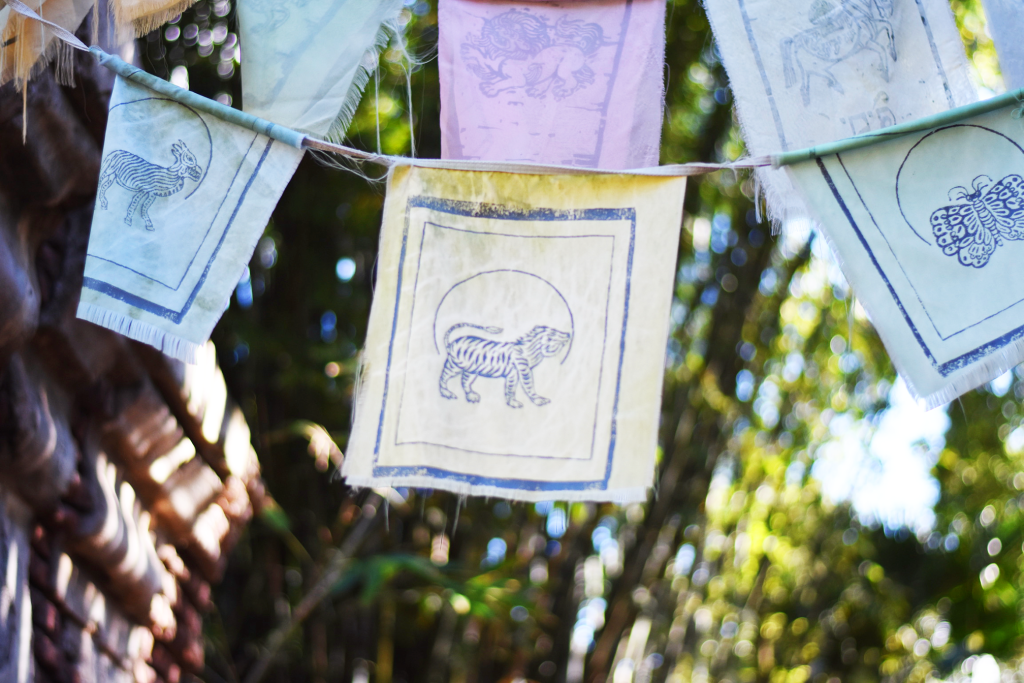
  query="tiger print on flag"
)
[{"x": 518, "y": 334}]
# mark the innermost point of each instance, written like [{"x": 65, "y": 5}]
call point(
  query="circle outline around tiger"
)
[{"x": 568, "y": 309}]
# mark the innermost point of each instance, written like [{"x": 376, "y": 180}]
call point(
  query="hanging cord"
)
[
  {"x": 303, "y": 141},
  {"x": 670, "y": 170},
  {"x": 58, "y": 30}
]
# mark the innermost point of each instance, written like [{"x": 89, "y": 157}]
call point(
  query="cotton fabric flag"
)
[
  {"x": 806, "y": 72},
  {"x": 574, "y": 82},
  {"x": 929, "y": 229},
  {"x": 183, "y": 198},
  {"x": 1006, "y": 24},
  {"x": 517, "y": 337},
  {"x": 305, "y": 64}
]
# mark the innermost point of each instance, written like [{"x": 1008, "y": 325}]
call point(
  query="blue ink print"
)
[
  {"x": 839, "y": 33},
  {"x": 474, "y": 357},
  {"x": 972, "y": 229},
  {"x": 519, "y": 50},
  {"x": 147, "y": 180}
]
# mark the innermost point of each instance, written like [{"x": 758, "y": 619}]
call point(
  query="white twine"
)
[{"x": 670, "y": 170}]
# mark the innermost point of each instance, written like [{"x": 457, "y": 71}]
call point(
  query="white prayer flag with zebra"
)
[
  {"x": 183, "y": 198},
  {"x": 517, "y": 339}
]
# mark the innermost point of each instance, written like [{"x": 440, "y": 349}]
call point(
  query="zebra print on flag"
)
[
  {"x": 183, "y": 198},
  {"x": 518, "y": 334}
]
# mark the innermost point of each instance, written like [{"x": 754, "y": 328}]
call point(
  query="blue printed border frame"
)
[
  {"x": 502, "y": 212},
  {"x": 174, "y": 316}
]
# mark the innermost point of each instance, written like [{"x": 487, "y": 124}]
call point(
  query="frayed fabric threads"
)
[
  {"x": 306, "y": 67},
  {"x": 27, "y": 38},
  {"x": 885, "y": 62},
  {"x": 175, "y": 347},
  {"x": 136, "y": 18}
]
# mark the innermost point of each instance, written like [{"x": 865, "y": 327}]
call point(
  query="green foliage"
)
[{"x": 740, "y": 569}]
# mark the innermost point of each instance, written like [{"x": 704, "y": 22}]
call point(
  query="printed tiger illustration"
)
[
  {"x": 145, "y": 179},
  {"x": 474, "y": 357}
]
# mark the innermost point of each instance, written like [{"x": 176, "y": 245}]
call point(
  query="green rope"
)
[
  {"x": 221, "y": 111},
  {"x": 917, "y": 126}
]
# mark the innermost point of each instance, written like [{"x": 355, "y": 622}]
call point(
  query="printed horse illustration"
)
[
  {"x": 147, "y": 180},
  {"x": 518, "y": 49},
  {"x": 838, "y": 34}
]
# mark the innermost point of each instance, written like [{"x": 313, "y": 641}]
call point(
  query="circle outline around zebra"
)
[
  {"x": 206, "y": 129},
  {"x": 123, "y": 167}
]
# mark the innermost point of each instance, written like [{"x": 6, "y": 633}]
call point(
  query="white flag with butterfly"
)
[{"x": 929, "y": 229}]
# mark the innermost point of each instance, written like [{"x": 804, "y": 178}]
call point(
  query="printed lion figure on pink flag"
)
[{"x": 518, "y": 49}]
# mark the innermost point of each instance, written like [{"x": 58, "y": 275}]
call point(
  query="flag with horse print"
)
[
  {"x": 570, "y": 82},
  {"x": 518, "y": 333},
  {"x": 183, "y": 198},
  {"x": 806, "y": 72}
]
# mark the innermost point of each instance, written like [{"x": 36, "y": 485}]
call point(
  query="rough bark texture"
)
[{"x": 124, "y": 477}]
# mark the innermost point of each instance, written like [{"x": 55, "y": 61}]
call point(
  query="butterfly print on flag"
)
[{"x": 972, "y": 229}]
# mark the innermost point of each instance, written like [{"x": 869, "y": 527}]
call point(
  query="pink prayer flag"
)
[{"x": 574, "y": 82}]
